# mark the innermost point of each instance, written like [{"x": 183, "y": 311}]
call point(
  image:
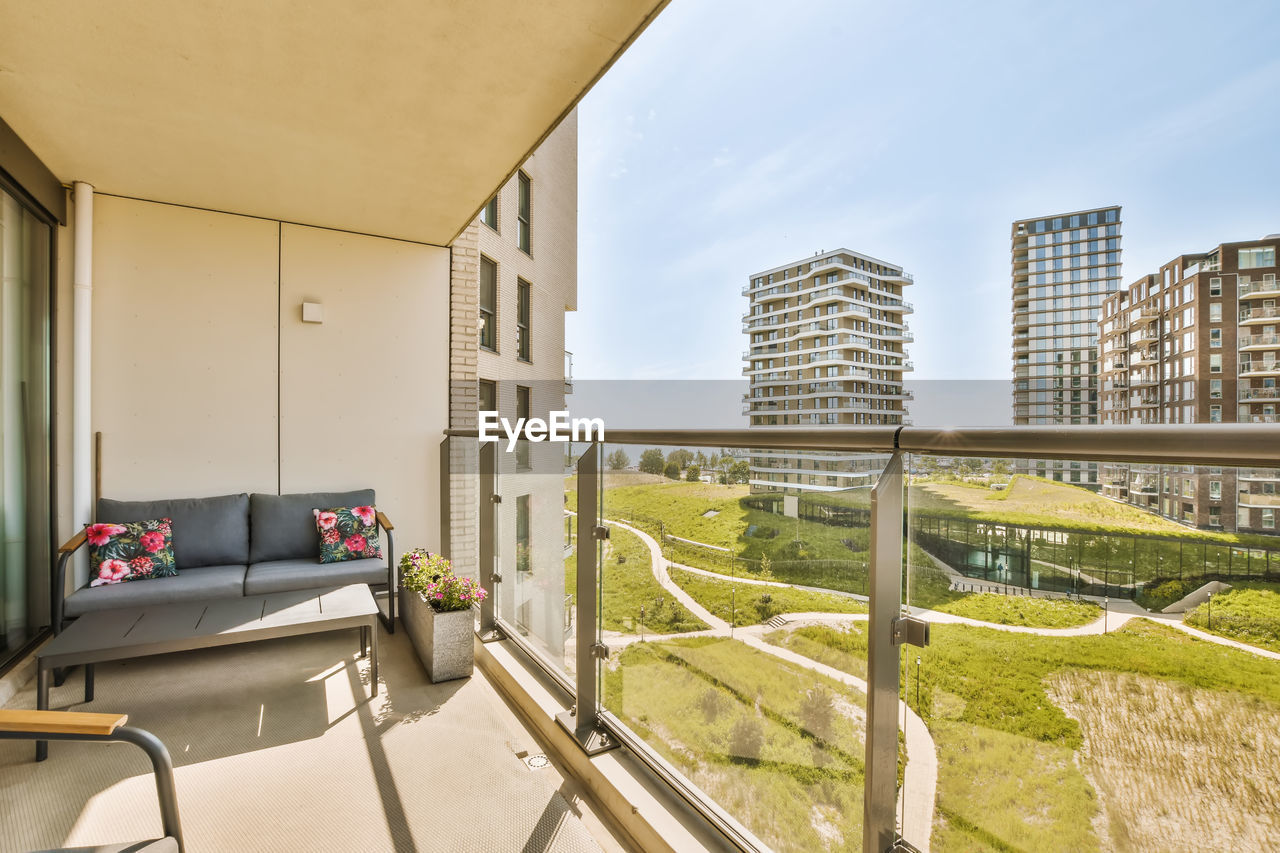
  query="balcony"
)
[
  {"x": 1260, "y": 474},
  {"x": 1254, "y": 499},
  {"x": 1259, "y": 368},
  {"x": 1260, "y": 393},
  {"x": 1258, "y": 289},
  {"x": 1258, "y": 314},
  {"x": 1251, "y": 342}
]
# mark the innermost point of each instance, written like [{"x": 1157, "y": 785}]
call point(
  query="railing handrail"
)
[{"x": 1229, "y": 445}]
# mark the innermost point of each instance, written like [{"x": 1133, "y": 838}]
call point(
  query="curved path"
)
[{"x": 916, "y": 798}]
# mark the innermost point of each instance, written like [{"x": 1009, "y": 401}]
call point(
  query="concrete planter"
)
[{"x": 443, "y": 640}]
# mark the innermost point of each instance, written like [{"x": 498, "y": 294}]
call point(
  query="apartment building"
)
[
  {"x": 515, "y": 276},
  {"x": 1196, "y": 342},
  {"x": 828, "y": 345},
  {"x": 1063, "y": 266}
]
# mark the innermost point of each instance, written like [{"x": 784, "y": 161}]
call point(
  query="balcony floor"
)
[{"x": 276, "y": 747}]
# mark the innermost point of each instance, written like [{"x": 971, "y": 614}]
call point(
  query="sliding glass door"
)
[{"x": 25, "y": 272}]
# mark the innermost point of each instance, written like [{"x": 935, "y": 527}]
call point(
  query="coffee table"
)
[{"x": 159, "y": 629}]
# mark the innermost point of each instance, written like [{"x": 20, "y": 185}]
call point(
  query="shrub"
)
[
  {"x": 651, "y": 461},
  {"x": 431, "y": 576},
  {"x": 693, "y": 474},
  {"x": 671, "y": 471},
  {"x": 746, "y": 738}
]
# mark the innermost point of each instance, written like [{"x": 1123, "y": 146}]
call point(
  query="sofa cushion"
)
[
  {"x": 206, "y": 531},
  {"x": 348, "y": 533},
  {"x": 202, "y": 584},
  {"x": 287, "y": 575},
  {"x": 283, "y": 527},
  {"x": 136, "y": 550}
]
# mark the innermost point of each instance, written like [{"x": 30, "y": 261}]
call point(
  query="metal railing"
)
[{"x": 1248, "y": 446}]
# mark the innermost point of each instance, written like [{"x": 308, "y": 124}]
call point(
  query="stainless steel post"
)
[
  {"x": 489, "y": 575},
  {"x": 879, "y": 829}
]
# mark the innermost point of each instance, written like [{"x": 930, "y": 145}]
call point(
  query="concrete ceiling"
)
[{"x": 396, "y": 118}]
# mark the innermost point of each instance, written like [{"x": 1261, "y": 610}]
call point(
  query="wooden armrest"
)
[
  {"x": 73, "y": 543},
  {"x": 61, "y": 722},
  {"x": 385, "y": 522}
]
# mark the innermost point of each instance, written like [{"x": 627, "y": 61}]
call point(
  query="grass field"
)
[
  {"x": 747, "y": 605},
  {"x": 628, "y": 585},
  {"x": 740, "y": 725},
  {"x": 1248, "y": 612},
  {"x": 1017, "y": 610},
  {"x": 1008, "y": 778}
]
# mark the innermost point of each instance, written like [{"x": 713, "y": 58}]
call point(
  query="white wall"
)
[{"x": 205, "y": 380}]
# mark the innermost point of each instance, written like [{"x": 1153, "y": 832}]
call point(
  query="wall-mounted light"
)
[{"x": 312, "y": 312}]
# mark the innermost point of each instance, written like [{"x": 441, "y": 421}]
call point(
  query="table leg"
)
[
  {"x": 88, "y": 682},
  {"x": 42, "y": 704},
  {"x": 373, "y": 658},
  {"x": 364, "y": 641}
]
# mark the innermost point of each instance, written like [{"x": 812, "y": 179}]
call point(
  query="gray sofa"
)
[{"x": 231, "y": 546}]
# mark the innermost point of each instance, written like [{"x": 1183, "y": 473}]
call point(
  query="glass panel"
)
[
  {"x": 1061, "y": 698},
  {"x": 536, "y": 548},
  {"x": 737, "y": 617},
  {"x": 24, "y": 426}
]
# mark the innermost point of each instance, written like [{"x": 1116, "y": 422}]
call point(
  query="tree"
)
[
  {"x": 618, "y": 460},
  {"x": 693, "y": 473},
  {"x": 672, "y": 471},
  {"x": 651, "y": 461},
  {"x": 1000, "y": 469},
  {"x": 739, "y": 472},
  {"x": 681, "y": 457},
  {"x": 701, "y": 459},
  {"x": 817, "y": 711}
]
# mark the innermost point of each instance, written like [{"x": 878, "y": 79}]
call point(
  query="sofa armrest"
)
[
  {"x": 61, "y": 722},
  {"x": 73, "y": 544},
  {"x": 385, "y": 522}
]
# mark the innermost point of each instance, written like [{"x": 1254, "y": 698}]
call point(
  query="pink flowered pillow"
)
[
  {"x": 130, "y": 552},
  {"x": 348, "y": 533}
]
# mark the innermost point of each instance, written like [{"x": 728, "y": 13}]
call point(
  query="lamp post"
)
[
  {"x": 917, "y": 684},
  {"x": 1210, "y": 611},
  {"x": 1106, "y": 610}
]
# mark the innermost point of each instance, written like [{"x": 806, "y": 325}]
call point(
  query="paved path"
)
[{"x": 916, "y": 798}]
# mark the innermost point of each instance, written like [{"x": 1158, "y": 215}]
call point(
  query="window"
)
[
  {"x": 1261, "y": 257},
  {"x": 488, "y": 304},
  {"x": 1215, "y": 389},
  {"x": 524, "y": 348},
  {"x": 524, "y": 237},
  {"x": 1215, "y": 312},
  {"x": 1215, "y": 338},
  {"x": 1269, "y": 519},
  {"x": 488, "y": 401},
  {"x": 524, "y": 409},
  {"x": 489, "y": 216},
  {"x": 1215, "y": 516},
  {"x": 1215, "y": 490},
  {"x": 1215, "y": 414},
  {"x": 1215, "y": 362},
  {"x": 1215, "y": 287}
]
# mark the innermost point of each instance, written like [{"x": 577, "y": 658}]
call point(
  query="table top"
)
[{"x": 197, "y": 623}]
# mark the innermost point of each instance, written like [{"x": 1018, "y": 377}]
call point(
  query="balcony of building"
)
[
  {"x": 1254, "y": 342},
  {"x": 1267, "y": 287},
  {"x": 1259, "y": 368},
  {"x": 1259, "y": 394},
  {"x": 1258, "y": 499},
  {"x": 1258, "y": 474},
  {"x": 1258, "y": 314}
]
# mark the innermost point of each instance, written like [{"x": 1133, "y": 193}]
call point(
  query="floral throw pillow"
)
[
  {"x": 130, "y": 552},
  {"x": 348, "y": 533}
]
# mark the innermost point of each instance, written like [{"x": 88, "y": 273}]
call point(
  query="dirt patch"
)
[{"x": 1176, "y": 767}]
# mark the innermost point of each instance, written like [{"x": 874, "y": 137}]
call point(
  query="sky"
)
[{"x": 737, "y": 136}]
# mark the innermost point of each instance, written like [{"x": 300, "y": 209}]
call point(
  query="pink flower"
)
[
  {"x": 166, "y": 527},
  {"x": 111, "y": 571},
  {"x": 365, "y": 514},
  {"x": 326, "y": 520},
  {"x": 152, "y": 542},
  {"x": 141, "y": 565},
  {"x": 329, "y": 537},
  {"x": 100, "y": 534},
  {"x": 356, "y": 544}
]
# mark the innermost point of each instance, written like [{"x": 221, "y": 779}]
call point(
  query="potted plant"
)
[{"x": 436, "y": 604}]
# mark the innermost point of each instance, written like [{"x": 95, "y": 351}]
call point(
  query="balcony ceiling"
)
[{"x": 399, "y": 119}]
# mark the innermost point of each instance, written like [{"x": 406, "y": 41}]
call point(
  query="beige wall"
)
[
  {"x": 364, "y": 395},
  {"x": 205, "y": 380}
]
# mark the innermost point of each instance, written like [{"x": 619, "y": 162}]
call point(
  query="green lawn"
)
[
  {"x": 628, "y": 585},
  {"x": 1018, "y": 610},
  {"x": 1008, "y": 774},
  {"x": 1248, "y": 612},
  {"x": 740, "y": 725},
  {"x": 746, "y": 603}
]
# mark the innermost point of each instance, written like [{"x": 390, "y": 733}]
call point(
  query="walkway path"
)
[{"x": 916, "y": 798}]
